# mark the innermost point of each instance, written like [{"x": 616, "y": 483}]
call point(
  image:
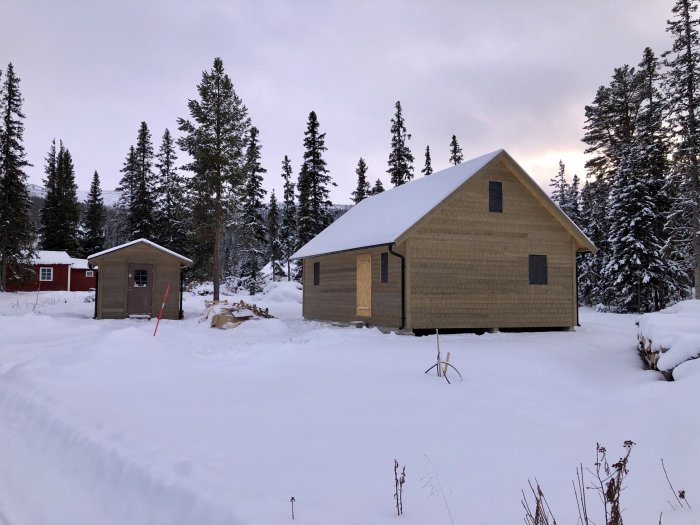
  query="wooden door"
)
[
  {"x": 140, "y": 293},
  {"x": 364, "y": 285}
]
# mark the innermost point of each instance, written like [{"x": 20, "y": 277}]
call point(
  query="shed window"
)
[
  {"x": 495, "y": 196},
  {"x": 46, "y": 274},
  {"x": 89, "y": 273},
  {"x": 317, "y": 273},
  {"x": 385, "y": 267},
  {"x": 538, "y": 269},
  {"x": 140, "y": 278}
]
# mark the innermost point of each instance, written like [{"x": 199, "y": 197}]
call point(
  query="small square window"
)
[
  {"x": 89, "y": 273},
  {"x": 495, "y": 196},
  {"x": 538, "y": 269},
  {"x": 46, "y": 274},
  {"x": 317, "y": 273},
  {"x": 385, "y": 267},
  {"x": 140, "y": 278}
]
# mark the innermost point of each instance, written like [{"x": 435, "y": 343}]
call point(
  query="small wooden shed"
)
[
  {"x": 133, "y": 278},
  {"x": 476, "y": 246}
]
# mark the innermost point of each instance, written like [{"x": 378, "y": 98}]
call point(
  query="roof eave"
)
[{"x": 368, "y": 247}]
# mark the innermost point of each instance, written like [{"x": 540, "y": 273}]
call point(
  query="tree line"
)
[
  {"x": 640, "y": 202},
  {"x": 218, "y": 214}
]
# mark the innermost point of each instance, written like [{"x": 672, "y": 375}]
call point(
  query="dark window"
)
[
  {"x": 385, "y": 267},
  {"x": 317, "y": 273},
  {"x": 140, "y": 278},
  {"x": 495, "y": 196},
  {"x": 46, "y": 274},
  {"x": 538, "y": 269}
]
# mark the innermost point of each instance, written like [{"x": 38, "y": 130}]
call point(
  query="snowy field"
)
[{"x": 102, "y": 423}]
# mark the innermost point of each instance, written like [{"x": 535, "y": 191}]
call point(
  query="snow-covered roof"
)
[
  {"x": 137, "y": 241},
  {"x": 382, "y": 218},
  {"x": 80, "y": 264},
  {"x": 52, "y": 257}
]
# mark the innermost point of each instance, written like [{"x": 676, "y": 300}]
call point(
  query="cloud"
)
[{"x": 495, "y": 73}]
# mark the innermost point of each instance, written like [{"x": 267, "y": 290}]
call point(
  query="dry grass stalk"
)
[{"x": 399, "y": 480}]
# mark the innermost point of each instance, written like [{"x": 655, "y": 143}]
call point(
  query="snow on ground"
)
[
  {"x": 102, "y": 423},
  {"x": 674, "y": 332}
]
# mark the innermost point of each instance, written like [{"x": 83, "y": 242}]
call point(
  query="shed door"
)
[
  {"x": 140, "y": 294},
  {"x": 364, "y": 285}
]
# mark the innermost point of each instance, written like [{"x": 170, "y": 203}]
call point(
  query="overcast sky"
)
[{"x": 511, "y": 73}]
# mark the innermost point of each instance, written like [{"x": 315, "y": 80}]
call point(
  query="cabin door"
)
[
  {"x": 364, "y": 285},
  {"x": 140, "y": 293}
]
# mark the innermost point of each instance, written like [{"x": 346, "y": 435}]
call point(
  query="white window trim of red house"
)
[{"x": 41, "y": 273}]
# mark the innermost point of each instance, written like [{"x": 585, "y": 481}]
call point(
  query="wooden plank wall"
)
[
  {"x": 335, "y": 298},
  {"x": 114, "y": 278},
  {"x": 468, "y": 267}
]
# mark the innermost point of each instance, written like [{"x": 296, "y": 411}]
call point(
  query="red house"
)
[
  {"x": 55, "y": 270},
  {"x": 82, "y": 277}
]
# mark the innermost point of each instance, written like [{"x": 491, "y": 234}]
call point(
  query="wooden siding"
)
[
  {"x": 468, "y": 267},
  {"x": 59, "y": 282},
  {"x": 79, "y": 282},
  {"x": 114, "y": 279},
  {"x": 335, "y": 298}
]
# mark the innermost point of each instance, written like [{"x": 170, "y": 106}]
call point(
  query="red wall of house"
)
[
  {"x": 80, "y": 283},
  {"x": 60, "y": 280}
]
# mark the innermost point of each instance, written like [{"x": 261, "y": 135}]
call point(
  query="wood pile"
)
[
  {"x": 224, "y": 316},
  {"x": 650, "y": 355}
]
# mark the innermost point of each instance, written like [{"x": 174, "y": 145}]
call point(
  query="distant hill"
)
[{"x": 110, "y": 197}]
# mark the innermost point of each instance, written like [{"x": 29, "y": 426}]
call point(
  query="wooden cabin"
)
[
  {"x": 476, "y": 246},
  {"x": 82, "y": 277},
  {"x": 54, "y": 270},
  {"x": 133, "y": 278}
]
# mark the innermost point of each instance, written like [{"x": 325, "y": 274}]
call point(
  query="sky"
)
[{"x": 507, "y": 74}]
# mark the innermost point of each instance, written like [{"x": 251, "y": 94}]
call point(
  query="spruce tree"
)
[
  {"x": 171, "y": 225},
  {"x": 273, "y": 238},
  {"x": 573, "y": 202},
  {"x": 428, "y": 167},
  {"x": 16, "y": 232},
  {"x": 127, "y": 191},
  {"x": 48, "y": 216},
  {"x": 565, "y": 195},
  {"x": 400, "y": 158},
  {"x": 304, "y": 224},
  {"x": 314, "y": 212},
  {"x": 363, "y": 190},
  {"x": 288, "y": 228},
  {"x": 560, "y": 188},
  {"x": 60, "y": 215},
  {"x": 634, "y": 258},
  {"x": 378, "y": 187},
  {"x": 456, "y": 156},
  {"x": 609, "y": 132},
  {"x": 252, "y": 227},
  {"x": 215, "y": 138},
  {"x": 594, "y": 224},
  {"x": 682, "y": 88},
  {"x": 142, "y": 221},
  {"x": 94, "y": 218}
]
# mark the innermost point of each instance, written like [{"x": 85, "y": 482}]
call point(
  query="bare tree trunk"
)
[
  {"x": 217, "y": 245},
  {"x": 692, "y": 132},
  {"x": 696, "y": 230}
]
